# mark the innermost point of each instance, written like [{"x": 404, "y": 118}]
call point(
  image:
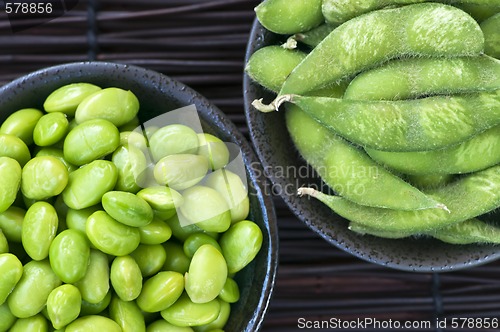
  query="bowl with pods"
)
[
  {"x": 145, "y": 191},
  {"x": 367, "y": 123}
]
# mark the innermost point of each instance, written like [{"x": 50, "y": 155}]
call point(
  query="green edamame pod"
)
[
  {"x": 7, "y": 319},
  {"x": 44, "y": 177},
  {"x": 94, "y": 286},
  {"x": 348, "y": 170},
  {"x": 240, "y": 244},
  {"x": 405, "y": 125},
  {"x": 479, "y": 152},
  {"x": 491, "y": 30},
  {"x": 150, "y": 258},
  {"x": 50, "y": 129},
  {"x": 21, "y": 124},
  {"x": 176, "y": 258},
  {"x": 480, "y": 11},
  {"x": 164, "y": 326},
  {"x": 90, "y": 140},
  {"x": 289, "y": 16},
  {"x": 63, "y": 305},
  {"x": 270, "y": 65},
  {"x": 341, "y": 11},
  {"x": 11, "y": 223},
  {"x": 161, "y": 291},
  {"x": 428, "y": 181},
  {"x": 39, "y": 229},
  {"x": 30, "y": 295},
  {"x": 15, "y": 148},
  {"x": 36, "y": 323},
  {"x": 206, "y": 208},
  {"x": 427, "y": 29},
  {"x": 207, "y": 274},
  {"x": 127, "y": 208},
  {"x": 219, "y": 323},
  {"x": 111, "y": 236},
  {"x": 184, "y": 312},
  {"x": 11, "y": 270},
  {"x": 467, "y": 232},
  {"x": 69, "y": 255},
  {"x": 126, "y": 278},
  {"x": 173, "y": 139},
  {"x": 88, "y": 184},
  {"x": 465, "y": 198},
  {"x": 116, "y": 105},
  {"x": 127, "y": 314},
  {"x": 10, "y": 181},
  {"x": 316, "y": 35},
  {"x": 417, "y": 77},
  {"x": 66, "y": 98},
  {"x": 93, "y": 323}
]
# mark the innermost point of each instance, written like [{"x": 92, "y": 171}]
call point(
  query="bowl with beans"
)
[
  {"x": 367, "y": 122},
  {"x": 128, "y": 202}
]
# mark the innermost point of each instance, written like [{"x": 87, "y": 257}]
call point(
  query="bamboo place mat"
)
[{"x": 202, "y": 44}]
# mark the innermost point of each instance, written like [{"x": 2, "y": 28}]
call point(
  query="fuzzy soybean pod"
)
[
  {"x": 30, "y": 295},
  {"x": 289, "y": 16},
  {"x": 465, "y": 198},
  {"x": 417, "y": 77},
  {"x": 69, "y": 255},
  {"x": 39, "y": 229},
  {"x": 316, "y": 35},
  {"x": 405, "y": 125},
  {"x": 427, "y": 29},
  {"x": 270, "y": 65},
  {"x": 477, "y": 153},
  {"x": 10, "y": 181},
  {"x": 491, "y": 30},
  {"x": 11, "y": 270},
  {"x": 349, "y": 170},
  {"x": 337, "y": 12}
]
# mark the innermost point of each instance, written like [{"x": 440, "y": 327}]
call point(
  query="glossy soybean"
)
[
  {"x": 44, "y": 177},
  {"x": 63, "y": 305},
  {"x": 126, "y": 278},
  {"x": 93, "y": 323},
  {"x": 11, "y": 270},
  {"x": 39, "y": 229},
  {"x": 69, "y": 255},
  {"x": 127, "y": 208},
  {"x": 10, "y": 181},
  {"x": 21, "y": 123},
  {"x": 67, "y": 98},
  {"x": 161, "y": 291}
]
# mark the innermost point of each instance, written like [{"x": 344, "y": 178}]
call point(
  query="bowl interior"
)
[
  {"x": 288, "y": 171},
  {"x": 157, "y": 94}
]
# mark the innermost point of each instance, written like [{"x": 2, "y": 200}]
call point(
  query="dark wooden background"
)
[{"x": 202, "y": 44}]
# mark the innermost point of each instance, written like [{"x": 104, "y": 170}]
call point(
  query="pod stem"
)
[
  {"x": 273, "y": 106},
  {"x": 307, "y": 191},
  {"x": 290, "y": 44}
]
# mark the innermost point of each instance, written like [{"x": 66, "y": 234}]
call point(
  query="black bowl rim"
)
[
  {"x": 257, "y": 29},
  {"x": 209, "y": 113}
]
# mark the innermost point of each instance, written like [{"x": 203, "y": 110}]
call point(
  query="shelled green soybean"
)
[
  {"x": 409, "y": 90},
  {"x": 90, "y": 236}
]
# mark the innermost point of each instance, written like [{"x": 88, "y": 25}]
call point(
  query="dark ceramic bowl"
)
[
  {"x": 288, "y": 171},
  {"x": 158, "y": 93}
]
